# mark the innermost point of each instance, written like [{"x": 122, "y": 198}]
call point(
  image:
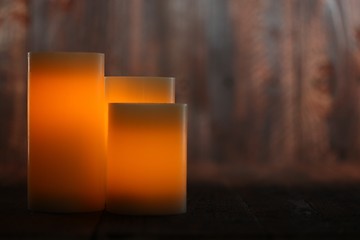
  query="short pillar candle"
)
[
  {"x": 66, "y": 132},
  {"x": 140, "y": 89},
  {"x": 146, "y": 170}
]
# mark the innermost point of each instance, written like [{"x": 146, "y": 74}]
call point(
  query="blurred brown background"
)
[{"x": 272, "y": 85}]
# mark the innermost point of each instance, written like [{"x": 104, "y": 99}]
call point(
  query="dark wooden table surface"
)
[{"x": 215, "y": 211}]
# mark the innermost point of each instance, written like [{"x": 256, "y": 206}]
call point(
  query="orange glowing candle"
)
[
  {"x": 146, "y": 166},
  {"x": 66, "y": 132},
  {"x": 140, "y": 89}
]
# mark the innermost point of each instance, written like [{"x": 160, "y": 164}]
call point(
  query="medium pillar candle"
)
[
  {"x": 140, "y": 89},
  {"x": 146, "y": 170},
  {"x": 66, "y": 132}
]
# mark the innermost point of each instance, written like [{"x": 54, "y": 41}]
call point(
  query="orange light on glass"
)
[
  {"x": 146, "y": 170},
  {"x": 66, "y": 132},
  {"x": 140, "y": 89}
]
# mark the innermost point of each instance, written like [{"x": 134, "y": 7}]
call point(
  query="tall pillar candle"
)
[
  {"x": 140, "y": 89},
  {"x": 146, "y": 170},
  {"x": 66, "y": 132}
]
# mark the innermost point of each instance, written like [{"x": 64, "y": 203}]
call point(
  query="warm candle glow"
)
[
  {"x": 146, "y": 170},
  {"x": 66, "y": 132},
  {"x": 140, "y": 89}
]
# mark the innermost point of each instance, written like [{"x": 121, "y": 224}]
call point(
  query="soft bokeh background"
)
[{"x": 272, "y": 85}]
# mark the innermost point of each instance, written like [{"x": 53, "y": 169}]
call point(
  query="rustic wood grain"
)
[
  {"x": 268, "y": 82},
  {"x": 215, "y": 211},
  {"x": 16, "y": 222}
]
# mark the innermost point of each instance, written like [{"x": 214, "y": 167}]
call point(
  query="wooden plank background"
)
[{"x": 272, "y": 85}]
